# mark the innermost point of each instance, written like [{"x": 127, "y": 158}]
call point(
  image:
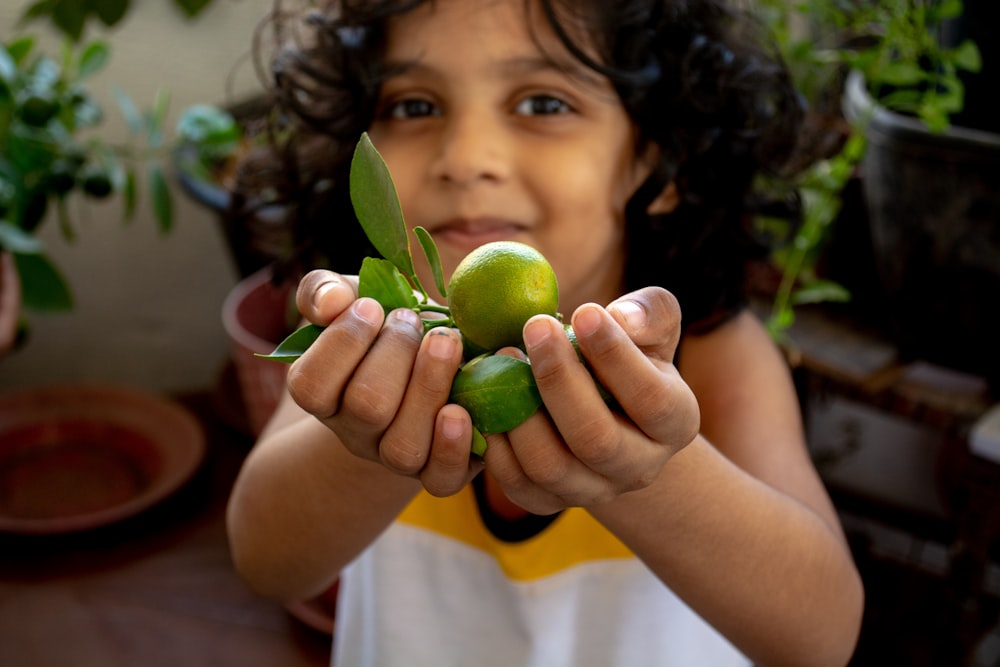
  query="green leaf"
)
[
  {"x": 43, "y": 288},
  {"x": 192, "y": 8},
  {"x": 111, "y": 11},
  {"x": 820, "y": 291},
  {"x": 902, "y": 74},
  {"x": 376, "y": 205},
  {"x": 382, "y": 281},
  {"x": 129, "y": 194},
  {"x": 478, "y": 443},
  {"x": 163, "y": 207},
  {"x": 295, "y": 345},
  {"x": 967, "y": 56},
  {"x": 16, "y": 240},
  {"x": 8, "y": 68},
  {"x": 498, "y": 391},
  {"x": 128, "y": 110},
  {"x": 433, "y": 258},
  {"x": 19, "y": 48},
  {"x": 93, "y": 58},
  {"x": 158, "y": 117}
]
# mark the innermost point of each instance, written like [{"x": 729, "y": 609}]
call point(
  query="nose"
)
[{"x": 472, "y": 149}]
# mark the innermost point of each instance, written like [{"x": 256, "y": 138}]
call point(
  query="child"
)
[{"x": 688, "y": 527}]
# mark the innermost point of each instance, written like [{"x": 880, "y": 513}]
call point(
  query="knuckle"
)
[
  {"x": 368, "y": 404},
  {"x": 314, "y": 398},
  {"x": 402, "y": 455},
  {"x": 598, "y": 443}
]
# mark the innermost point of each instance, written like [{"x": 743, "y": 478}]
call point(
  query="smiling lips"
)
[{"x": 470, "y": 233}]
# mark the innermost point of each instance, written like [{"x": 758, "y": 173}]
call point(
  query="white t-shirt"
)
[{"x": 438, "y": 589}]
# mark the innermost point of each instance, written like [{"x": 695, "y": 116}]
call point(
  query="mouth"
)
[{"x": 469, "y": 233}]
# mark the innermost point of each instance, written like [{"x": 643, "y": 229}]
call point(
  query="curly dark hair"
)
[{"x": 699, "y": 78}]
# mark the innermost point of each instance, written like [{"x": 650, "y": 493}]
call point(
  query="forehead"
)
[
  {"x": 501, "y": 31},
  {"x": 524, "y": 22}
]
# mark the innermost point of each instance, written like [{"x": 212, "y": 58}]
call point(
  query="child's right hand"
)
[{"x": 357, "y": 380}]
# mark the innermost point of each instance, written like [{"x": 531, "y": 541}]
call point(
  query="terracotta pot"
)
[{"x": 256, "y": 317}]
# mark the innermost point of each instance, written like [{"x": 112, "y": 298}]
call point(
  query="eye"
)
[
  {"x": 413, "y": 107},
  {"x": 542, "y": 105}
]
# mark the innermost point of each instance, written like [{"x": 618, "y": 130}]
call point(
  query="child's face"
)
[{"x": 486, "y": 140}]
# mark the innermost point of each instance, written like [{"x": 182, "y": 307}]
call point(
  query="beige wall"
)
[{"x": 148, "y": 305}]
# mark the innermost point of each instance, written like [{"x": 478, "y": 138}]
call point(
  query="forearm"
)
[
  {"x": 303, "y": 507},
  {"x": 758, "y": 565}
]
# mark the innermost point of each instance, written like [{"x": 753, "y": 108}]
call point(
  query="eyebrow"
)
[{"x": 512, "y": 67}]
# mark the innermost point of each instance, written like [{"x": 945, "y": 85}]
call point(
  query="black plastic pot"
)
[
  {"x": 255, "y": 239},
  {"x": 933, "y": 203}
]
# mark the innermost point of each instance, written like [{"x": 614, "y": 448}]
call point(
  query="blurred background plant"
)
[
  {"x": 899, "y": 48},
  {"x": 51, "y": 149}
]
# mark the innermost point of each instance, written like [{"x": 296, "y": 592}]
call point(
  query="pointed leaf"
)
[
  {"x": 43, "y": 287},
  {"x": 16, "y": 240},
  {"x": 478, "y": 443},
  {"x": 163, "y": 206},
  {"x": 376, "y": 205},
  {"x": 382, "y": 281},
  {"x": 93, "y": 58},
  {"x": 111, "y": 11},
  {"x": 295, "y": 345},
  {"x": 128, "y": 110},
  {"x": 433, "y": 258}
]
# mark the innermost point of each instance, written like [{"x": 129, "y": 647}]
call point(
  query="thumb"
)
[
  {"x": 323, "y": 295},
  {"x": 651, "y": 317}
]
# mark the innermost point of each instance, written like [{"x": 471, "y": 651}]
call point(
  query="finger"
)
[
  {"x": 504, "y": 466},
  {"x": 405, "y": 447},
  {"x": 652, "y": 319},
  {"x": 650, "y": 391},
  {"x": 323, "y": 295},
  {"x": 372, "y": 397},
  {"x": 450, "y": 466},
  {"x": 318, "y": 378}
]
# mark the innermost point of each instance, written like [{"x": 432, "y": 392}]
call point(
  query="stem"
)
[{"x": 432, "y": 308}]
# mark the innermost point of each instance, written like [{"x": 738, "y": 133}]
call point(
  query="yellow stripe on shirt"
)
[{"x": 575, "y": 537}]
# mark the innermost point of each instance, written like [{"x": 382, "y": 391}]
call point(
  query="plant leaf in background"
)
[
  {"x": 49, "y": 291},
  {"x": 163, "y": 207},
  {"x": 93, "y": 58}
]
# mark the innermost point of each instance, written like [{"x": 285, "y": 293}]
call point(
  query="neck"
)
[{"x": 498, "y": 501}]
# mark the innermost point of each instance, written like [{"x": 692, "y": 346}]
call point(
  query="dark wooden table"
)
[{"x": 156, "y": 589}]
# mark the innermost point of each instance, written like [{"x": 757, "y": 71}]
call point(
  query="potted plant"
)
[
  {"x": 51, "y": 150},
  {"x": 905, "y": 62}
]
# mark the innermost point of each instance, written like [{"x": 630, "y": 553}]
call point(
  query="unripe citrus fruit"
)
[{"x": 496, "y": 288}]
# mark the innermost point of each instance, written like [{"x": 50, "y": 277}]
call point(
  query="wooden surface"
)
[{"x": 158, "y": 589}]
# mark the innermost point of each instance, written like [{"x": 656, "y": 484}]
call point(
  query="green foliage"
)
[
  {"x": 71, "y": 17},
  {"x": 51, "y": 152},
  {"x": 896, "y": 45}
]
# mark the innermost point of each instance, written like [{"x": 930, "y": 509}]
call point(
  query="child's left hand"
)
[{"x": 578, "y": 452}]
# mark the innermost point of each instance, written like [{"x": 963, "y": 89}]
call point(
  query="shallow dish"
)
[{"x": 74, "y": 458}]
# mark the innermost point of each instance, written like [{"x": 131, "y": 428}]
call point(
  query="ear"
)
[{"x": 666, "y": 201}]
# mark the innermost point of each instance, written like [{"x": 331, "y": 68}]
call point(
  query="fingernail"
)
[
  {"x": 368, "y": 310},
  {"x": 452, "y": 428},
  {"x": 322, "y": 291},
  {"x": 536, "y": 332},
  {"x": 632, "y": 314},
  {"x": 409, "y": 318},
  {"x": 586, "y": 320},
  {"x": 440, "y": 345}
]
